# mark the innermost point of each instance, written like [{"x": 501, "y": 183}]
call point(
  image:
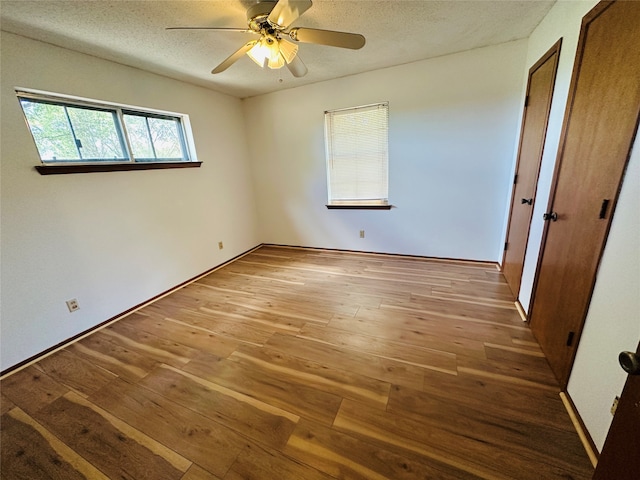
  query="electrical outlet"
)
[
  {"x": 614, "y": 407},
  {"x": 220, "y": 246},
  {"x": 361, "y": 233},
  {"x": 73, "y": 305}
]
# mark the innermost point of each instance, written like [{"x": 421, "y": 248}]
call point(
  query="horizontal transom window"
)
[{"x": 67, "y": 131}]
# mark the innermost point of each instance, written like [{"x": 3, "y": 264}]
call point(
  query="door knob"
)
[
  {"x": 528, "y": 201},
  {"x": 630, "y": 362},
  {"x": 550, "y": 216}
]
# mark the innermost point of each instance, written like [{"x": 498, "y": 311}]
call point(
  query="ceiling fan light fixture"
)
[
  {"x": 267, "y": 52},
  {"x": 272, "y": 52},
  {"x": 288, "y": 50},
  {"x": 276, "y": 62},
  {"x": 261, "y": 52}
]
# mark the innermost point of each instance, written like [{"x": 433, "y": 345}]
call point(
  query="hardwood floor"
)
[{"x": 301, "y": 364}]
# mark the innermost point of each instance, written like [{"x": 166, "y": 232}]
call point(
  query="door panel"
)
[
  {"x": 534, "y": 128},
  {"x": 599, "y": 127},
  {"x": 619, "y": 458}
]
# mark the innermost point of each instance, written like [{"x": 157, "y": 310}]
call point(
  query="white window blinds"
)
[{"x": 358, "y": 155}]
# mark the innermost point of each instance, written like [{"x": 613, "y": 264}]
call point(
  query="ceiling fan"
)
[{"x": 271, "y": 20}]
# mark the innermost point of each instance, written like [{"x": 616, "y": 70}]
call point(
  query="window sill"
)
[
  {"x": 111, "y": 167},
  {"x": 356, "y": 206}
]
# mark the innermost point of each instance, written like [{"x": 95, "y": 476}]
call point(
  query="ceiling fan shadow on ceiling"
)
[{"x": 271, "y": 20}]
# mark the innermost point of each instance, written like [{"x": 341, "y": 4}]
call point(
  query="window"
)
[
  {"x": 74, "y": 132},
  {"x": 358, "y": 156}
]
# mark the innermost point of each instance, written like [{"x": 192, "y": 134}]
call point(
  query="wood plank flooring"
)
[{"x": 301, "y": 364}]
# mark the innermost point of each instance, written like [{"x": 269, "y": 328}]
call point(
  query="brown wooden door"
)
[
  {"x": 620, "y": 456},
  {"x": 534, "y": 129},
  {"x": 599, "y": 127}
]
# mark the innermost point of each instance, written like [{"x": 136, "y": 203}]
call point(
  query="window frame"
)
[
  {"x": 119, "y": 111},
  {"x": 366, "y": 204}
]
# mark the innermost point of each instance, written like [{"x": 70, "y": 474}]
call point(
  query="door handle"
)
[
  {"x": 528, "y": 201},
  {"x": 630, "y": 362},
  {"x": 550, "y": 216}
]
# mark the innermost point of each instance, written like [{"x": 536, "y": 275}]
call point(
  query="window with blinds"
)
[{"x": 358, "y": 155}]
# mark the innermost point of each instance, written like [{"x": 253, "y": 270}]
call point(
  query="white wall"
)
[
  {"x": 452, "y": 130},
  {"x": 612, "y": 323},
  {"x": 111, "y": 240}
]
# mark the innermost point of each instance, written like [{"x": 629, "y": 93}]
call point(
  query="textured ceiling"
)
[{"x": 397, "y": 31}]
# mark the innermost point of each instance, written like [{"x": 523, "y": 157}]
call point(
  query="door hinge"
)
[
  {"x": 515, "y": 179},
  {"x": 506, "y": 246},
  {"x": 570, "y": 338},
  {"x": 604, "y": 208},
  {"x": 614, "y": 406},
  {"x": 526, "y": 101}
]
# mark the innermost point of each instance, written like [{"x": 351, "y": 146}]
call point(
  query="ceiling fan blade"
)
[
  {"x": 297, "y": 67},
  {"x": 286, "y": 12},
  {"x": 241, "y": 30},
  {"x": 233, "y": 58},
  {"x": 328, "y": 37}
]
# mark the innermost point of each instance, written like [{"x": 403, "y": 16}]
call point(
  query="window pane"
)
[
  {"x": 154, "y": 138},
  {"x": 167, "y": 139},
  {"x": 51, "y": 131},
  {"x": 139, "y": 137},
  {"x": 96, "y": 131}
]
